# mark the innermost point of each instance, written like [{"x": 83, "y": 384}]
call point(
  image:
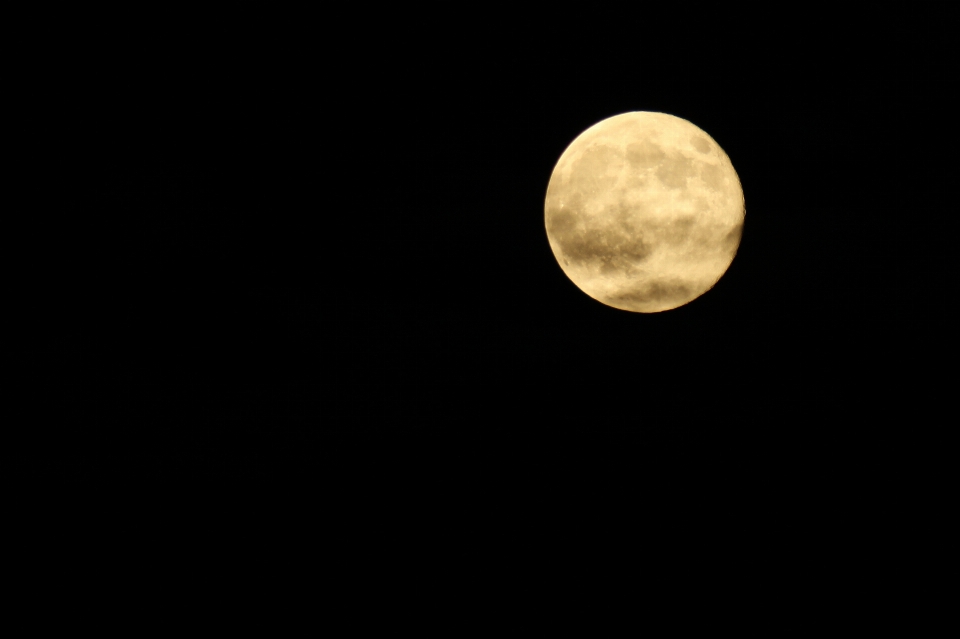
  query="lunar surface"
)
[{"x": 644, "y": 212}]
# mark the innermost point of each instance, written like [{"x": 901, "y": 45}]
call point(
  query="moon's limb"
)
[{"x": 644, "y": 212}]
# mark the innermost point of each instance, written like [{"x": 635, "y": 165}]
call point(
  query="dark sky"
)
[{"x": 250, "y": 256}]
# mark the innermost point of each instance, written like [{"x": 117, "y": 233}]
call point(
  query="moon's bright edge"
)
[{"x": 644, "y": 212}]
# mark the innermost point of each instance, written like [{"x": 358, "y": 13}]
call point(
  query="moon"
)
[{"x": 644, "y": 212}]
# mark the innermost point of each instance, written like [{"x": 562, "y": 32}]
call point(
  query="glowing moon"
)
[{"x": 644, "y": 212}]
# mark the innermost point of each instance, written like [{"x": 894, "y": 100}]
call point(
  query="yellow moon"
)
[{"x": 644, "y": 212}]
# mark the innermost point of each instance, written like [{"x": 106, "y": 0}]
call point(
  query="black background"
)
[{"x": 267, "y": 250}]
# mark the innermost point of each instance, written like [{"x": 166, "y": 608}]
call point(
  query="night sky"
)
[{"x": 280, "y": 261}]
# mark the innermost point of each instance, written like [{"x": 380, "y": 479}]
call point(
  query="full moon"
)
[{"x": 644, "y": 212}]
